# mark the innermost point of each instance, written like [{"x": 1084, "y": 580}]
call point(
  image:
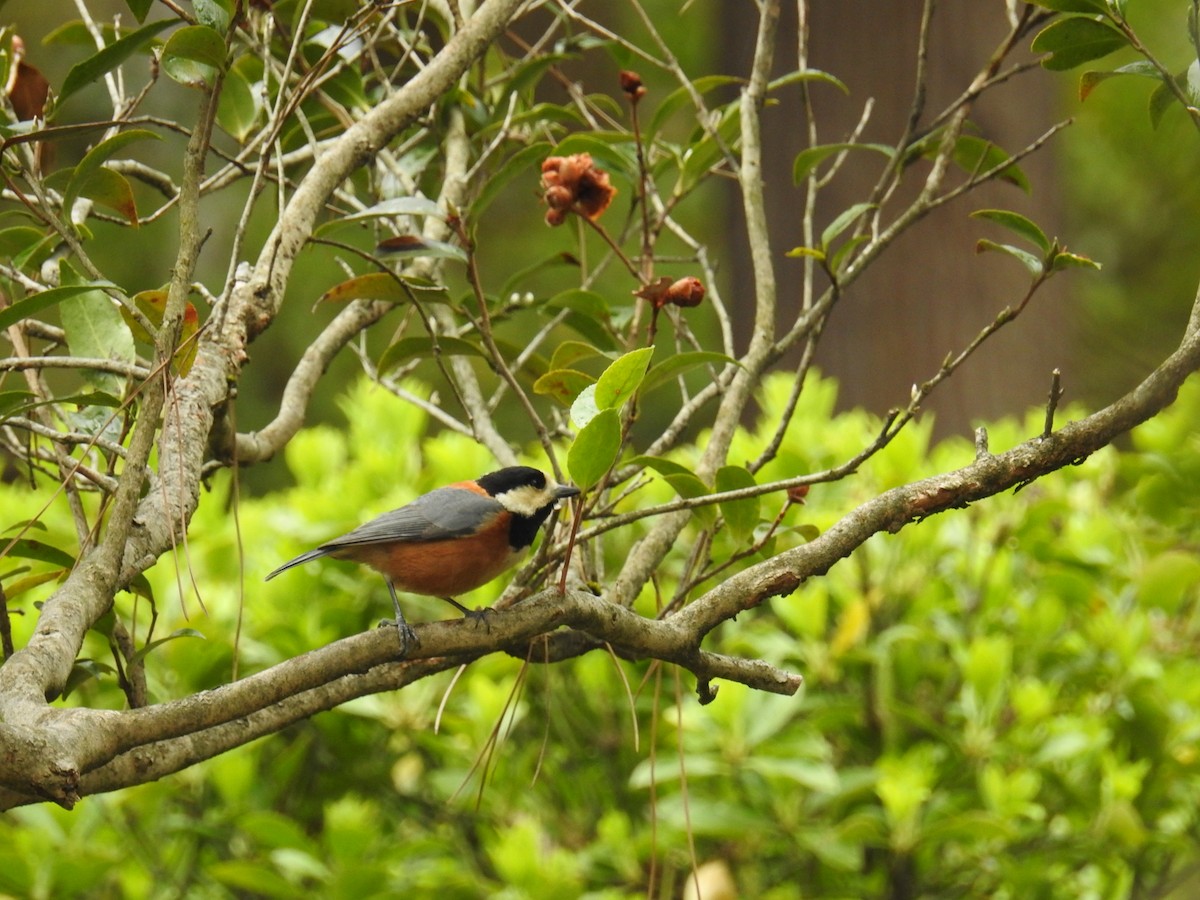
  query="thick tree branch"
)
[
  {"x": 263, "y": 444},
  {"x": 144, "y": 744},
  {"x": 986, "y": 477}
]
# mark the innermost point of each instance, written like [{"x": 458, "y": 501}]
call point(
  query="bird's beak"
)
[{"x": 563, "y": 491}]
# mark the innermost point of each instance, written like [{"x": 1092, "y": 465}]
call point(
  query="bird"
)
[{"x": 451, "y": 540}]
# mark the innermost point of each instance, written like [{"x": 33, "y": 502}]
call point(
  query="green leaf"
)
[
  {"x": 686, "y": 483},
  {"x": 622, "y": 378},
  {"x": 1076, "y": 40},
  {"x": 238, "y": 107},
  {"x": 974, "y": 155},
  {"x": 1164, "y": 98},
  {"x": 563, "y": 384},
  {"x": 584, "y": 408},
  {"x": 568, "y": 353},
  {"x": 95, "y": 67},
  {"x": 987, "y": 666},
  {"x": 95, "y": 329},
  {"x": 194, "y": 55},
  {"x": 529, "y": 72},
  {"x": 541, "y": 116},
  {"x": 1016, "y": 223},
  {"x": 44, "y": 300},
  {"x": 42, "y": 552},
  {"x": 845, "y": 249},
  {"x": 807, "y": 160},
  {"x": 844, "y": 220},
  {"x": 257, "y": 878},
  {"x": 111, "y": 189},
  {"x": 682, "y": 97},
  {"x": 706, "y": 153},
  {"x": 663, "y": 466},
  {"x": 89, "y": 174},
  {"x": 740, "y": 515},
  {"x": 22, "y": 242},
  {"x": 75, "y": 33},
  {"x": 595, "y": 331},
  {"x": 13, "y": 402},
  {"x": 1161, "y": 99},
  {"x": 410, "y": 246},
  {"x": 1027, "y": 259},
  {"x": 1065, "y": 260},
  {"x": 140, "y": 8},
  {"x": 1167, "y": 580},
  {"x": 611, "y": 150},
  {"x": 808, "y": 75},
  {"x": 1141, "y": 68},
  {"x": 85, "y": 670},
  {"x": 216, "y": 14},
  {"x": 595, "y": 449},
  {"x": 36, "y": 254},
  {"x": 678, "y": 363},
  {"x": 18, "y": 586},
  {"x": 107, "y": 149},
  {"x": 140, "y": 586}
]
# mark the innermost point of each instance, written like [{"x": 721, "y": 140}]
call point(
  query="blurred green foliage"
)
[
  {"x": 1130, "y": 201},
  {"x": 1003, "y": 701}
]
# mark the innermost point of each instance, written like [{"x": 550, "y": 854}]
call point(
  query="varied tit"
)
[{"x": 451, "y": 540}]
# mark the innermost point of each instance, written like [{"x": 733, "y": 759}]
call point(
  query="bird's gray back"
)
[{"x": 443, "y": 513}]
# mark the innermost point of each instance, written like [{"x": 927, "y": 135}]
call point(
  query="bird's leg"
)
[
  {"x": 479, "y": 614},
  {"x": 403, "y": 630}
]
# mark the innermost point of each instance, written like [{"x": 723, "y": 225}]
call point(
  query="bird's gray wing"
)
[{"x": 444, "y": 513}]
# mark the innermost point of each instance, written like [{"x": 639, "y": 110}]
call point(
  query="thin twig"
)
[{"x": 1056, "y": 393}]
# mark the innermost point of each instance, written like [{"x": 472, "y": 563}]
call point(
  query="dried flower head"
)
[
  {"x": 631, "y": 84},
  {"x": 573, "y": 183},
  {"x": 687, "y": 291},
  {"x": 797, "y": 494}
]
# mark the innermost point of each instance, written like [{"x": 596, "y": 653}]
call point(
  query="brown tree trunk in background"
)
[{"x": 931, "y": 293}]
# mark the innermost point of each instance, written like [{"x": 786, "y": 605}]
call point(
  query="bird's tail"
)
[{"x": 302, "y": 558}]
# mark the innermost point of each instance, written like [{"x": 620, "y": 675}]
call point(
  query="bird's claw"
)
[
  {"x": 408, "y": 637},
  {"x": 479, "y": 614}
]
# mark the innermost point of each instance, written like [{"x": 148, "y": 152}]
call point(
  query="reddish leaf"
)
[
  {"x": 376, "y": 286},
  {"x": 27, "y": 91}
]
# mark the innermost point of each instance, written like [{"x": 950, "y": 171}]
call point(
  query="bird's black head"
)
[
  {"x": 504, "y": 480},
  {"x": 529, "y": 495}
]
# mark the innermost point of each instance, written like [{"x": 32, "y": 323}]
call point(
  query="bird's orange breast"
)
[{"x": 441, "y": 568}]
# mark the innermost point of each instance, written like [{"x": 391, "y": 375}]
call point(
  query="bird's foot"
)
[
  {"x": 477, "y": 615},
  {"x": 408, "y": 637}
]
